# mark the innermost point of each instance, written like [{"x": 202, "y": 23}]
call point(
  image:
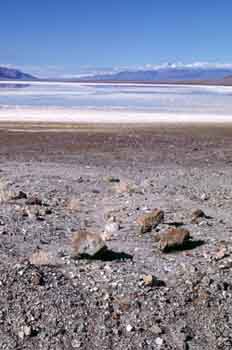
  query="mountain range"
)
[
  {"x": 14, "y": 74},
  {"x": 221, "y": 75},
  {"x": 166, "y": 74}
]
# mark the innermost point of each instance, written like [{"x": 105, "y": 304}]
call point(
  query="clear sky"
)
[{"x": 79, "y": 35}]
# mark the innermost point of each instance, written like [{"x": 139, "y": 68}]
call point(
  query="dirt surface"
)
[{"x": 134, "y": 296}]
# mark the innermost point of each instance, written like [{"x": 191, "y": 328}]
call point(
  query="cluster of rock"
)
[
  {"x": 91, "y": 244},
  {"x": 88, "y": 243},
  {"x": 133, "y": 298},
  {"x": 150, "y": 221}
]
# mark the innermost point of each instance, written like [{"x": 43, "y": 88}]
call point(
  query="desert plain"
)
[{"x": 57, "y": 179}]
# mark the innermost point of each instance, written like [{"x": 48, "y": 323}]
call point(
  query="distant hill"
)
[
  {"x": 14, "y": 74},
  {"x": 227, "y": 80},
  {"x": 165, "y": 74},
  {"x": 162, "y": 75}
]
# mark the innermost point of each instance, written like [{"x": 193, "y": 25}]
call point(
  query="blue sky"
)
[{"x": 67, "y": 37}]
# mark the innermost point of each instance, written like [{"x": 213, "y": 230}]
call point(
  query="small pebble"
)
[
  {"x": 129, "y": 328},
  {"x": 159, "y": 341}
]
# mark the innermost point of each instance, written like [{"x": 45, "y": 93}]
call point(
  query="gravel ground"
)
[{"x": 50, "y": 299}]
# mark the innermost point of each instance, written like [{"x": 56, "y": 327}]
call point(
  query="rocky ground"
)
[{"x": 134, "y": 295}]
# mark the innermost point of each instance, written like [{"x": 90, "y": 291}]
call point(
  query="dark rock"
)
[
  {"x": 20, "y": 195},
  {"x": 36, "y": 278},
  {"x": 34, "y": 201},
  {"x": 197, "y": 214},
  {"x": 85, "y": 243},
  {"x": 113, "y": 179},
  {"x": 173, "y": 238},
  {"x": 149, "y": 221}
]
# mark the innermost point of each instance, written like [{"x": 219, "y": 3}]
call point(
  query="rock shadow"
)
[
  {"x": 188, "y": 245},
  {"x": 108, "y": 255},
  {"x": 175, "y": 223}
]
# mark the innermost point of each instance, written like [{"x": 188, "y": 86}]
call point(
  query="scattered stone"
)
[
  {"x": 21, "y": 334},
  {"x": 123, "y": 303},
  {"x": 126, "y": 187},
  {"x": 205, "y": 197},
  {"x": 173, "y": 238},
  {"x": 34, "y": 212},
  {"x": 36, "y": 278},
  {"x": 198, "y": 213},
  {"x": 87, "y": 244},
  {"x": 41, "y": 258},
  {"x": 227, "y": 265},
  {"x": 6, "y": 196},
  {"x": 33, "y": 201},
  {"x": 73, "y": 304},
  {"x": 111, "y": 227},
  {"x": 73, "y": 204},
  {"x": 25, "y": 331},
  {"x": 20, "y": 195},
  {"x": 155, "y": 329},
  {"x": 2, "y": 221},
  {"x": 152, "y": 281},
  {"x": 112, "y": 179},
  {"x": 159, "y": 341},
  {"x": 222, "y": 253},
  {"x": 148, "y": 280},
  {"x": 40, "y": 213},
  {"x": 39, "y": 217},
  {"x": 47, "y": 211},
  {"x": 149, "y": 221},
  {"x": 76, "y": 344},
  {"x": 25, "y": 212},
  {"x": 129, "y": 328}
]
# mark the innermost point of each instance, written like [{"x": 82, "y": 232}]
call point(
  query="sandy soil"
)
[{"x": 57, "y": 302}]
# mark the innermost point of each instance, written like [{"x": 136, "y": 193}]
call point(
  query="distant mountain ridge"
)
[
  {"x": 14, "y": 74},
  {"x": 165, "y": 74}
]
